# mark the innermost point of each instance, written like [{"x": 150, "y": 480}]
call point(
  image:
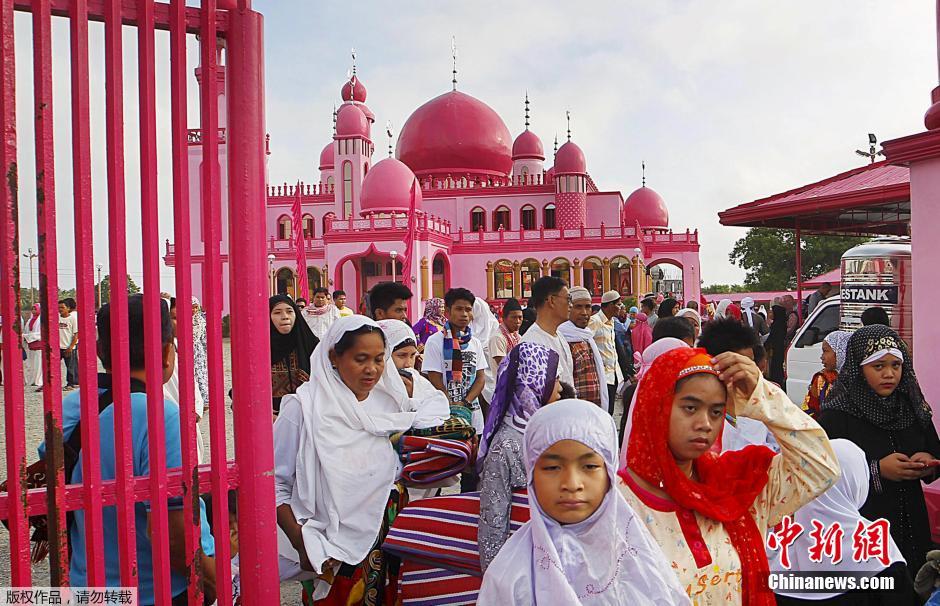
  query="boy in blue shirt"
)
[{"x": 71, "y": 406}]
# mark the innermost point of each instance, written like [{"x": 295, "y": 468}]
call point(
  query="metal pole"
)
[
  {"x": 799, "y": 275},
  {"x": 394, "y": 256},
  {"x": 99, "y": 286}
]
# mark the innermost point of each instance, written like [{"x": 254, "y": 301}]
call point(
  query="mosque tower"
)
[
  {"x": 527, "y": 153},
  {"x": 352, "y": 148},
  {"x": 570, "y": 174}
]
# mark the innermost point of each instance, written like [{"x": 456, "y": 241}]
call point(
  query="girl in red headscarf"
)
[{"x": 710, "y": 512}]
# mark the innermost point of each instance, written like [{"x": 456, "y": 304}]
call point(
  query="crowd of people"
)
[{"x": 389, "y": 438}]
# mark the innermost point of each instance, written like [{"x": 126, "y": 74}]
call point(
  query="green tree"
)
[
  {"x": 768, "y": 255},
  {"x": 132, "y": 288},
  {"x": 30, "y": 296}
]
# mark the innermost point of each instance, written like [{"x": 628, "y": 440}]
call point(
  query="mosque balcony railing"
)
[
  {"x": 582, "y": 233},
  {"x": 194, "y": 136},
  {"x": 442, "y": 186},
  {"x": 286, "y": 192},
  {"x": 424, "y": 223},
  {"x": 276, "y": 246}
]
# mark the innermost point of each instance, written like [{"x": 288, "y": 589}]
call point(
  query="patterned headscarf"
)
[
  {"x": 853, "y": 395},
  {"x": 728, "y": 483},
  {"x": 838, "y": 340},
  {"x": 525, "y": 380},
  {"x": 434, "y": 311}
]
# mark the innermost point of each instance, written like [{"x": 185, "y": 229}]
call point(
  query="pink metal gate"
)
[{"x": 251, "y": 471}]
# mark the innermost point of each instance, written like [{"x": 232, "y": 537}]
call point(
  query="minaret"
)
[
  {"x": 527, "y": 154},
  {"x": 570, "y": 184},
  {"x": 353, "y": 156}
]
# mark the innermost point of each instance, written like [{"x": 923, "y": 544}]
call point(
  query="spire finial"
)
[
  {"x": 527, "y": 110},
  {"x": 643, "y": 167},
  {"x": 453, "y": 52},
  {"x": 353, "y": 53},
  {"x": 556, "y": 144},
  {"x": 388, "y": 131},
  {"x": 334, "y": 118},
  {"x": 568, "y": 118}
]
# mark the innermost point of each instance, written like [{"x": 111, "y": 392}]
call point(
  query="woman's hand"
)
[
  {"x": 409, "y": 385},
  {"x": 737, "y": 372},
  {"x": 897, "y": 467}
]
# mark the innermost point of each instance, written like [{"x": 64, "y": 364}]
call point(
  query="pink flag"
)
[
  {"x": 303, "y": 288},
  {"x": 410, "y": 236}
]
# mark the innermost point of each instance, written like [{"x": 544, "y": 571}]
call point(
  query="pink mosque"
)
[{"x": 490, "y": 215}]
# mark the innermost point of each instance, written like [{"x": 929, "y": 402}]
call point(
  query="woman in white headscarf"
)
[
  {"x": 840, "y": 506},
  {"x": 597, "y": 552},
  {"x": 335, "y": 464},
  {"x": 483, "y": 326},
  {"x": 721, "y": 310},
  {"x": 32, "y": 337},
  {"x": 753, "y": 319}
]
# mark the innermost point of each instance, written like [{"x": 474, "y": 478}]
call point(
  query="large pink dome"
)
[
  {"x": 327, "y": 156},
  {"x": 387, "y": 188},
  {"x": 455, "y": 134},
  {"x": 570, "y": 160},
  {"x": 646, "y": 207},
  {"x": 527, "y": 146},
  {"x": 351, "y": 122},
  {"x": 358, "y": 91}
]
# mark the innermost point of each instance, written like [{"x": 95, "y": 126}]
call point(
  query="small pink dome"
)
[
  {"x": 570, "y": 160},
  {"x": 646, "y": 207},
  {"x": 387, "y": 188},
  {"x": 358, "y": 91},
  {"x": 327, "y": 156},
  {"x": 368, "y": 112},
  {"x": 351, "y": 122},
  {"x": 527, "y": 145},
  {"x": 549, "y": 174}
]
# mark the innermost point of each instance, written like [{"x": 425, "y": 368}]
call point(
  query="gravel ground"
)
[{"x": 290, "y": 593}]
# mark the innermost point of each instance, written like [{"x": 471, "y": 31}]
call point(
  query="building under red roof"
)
[{"x": 872, "y": 199}]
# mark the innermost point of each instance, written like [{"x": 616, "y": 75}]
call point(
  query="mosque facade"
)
[{"x": 460, "y": 203}]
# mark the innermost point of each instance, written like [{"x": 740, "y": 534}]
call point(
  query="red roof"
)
[
  {"x": 870, "y": 199},
  {"x": 833, "y": 277}
]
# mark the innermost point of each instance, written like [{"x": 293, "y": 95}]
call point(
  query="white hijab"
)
[
  {"x": 655, "y": 349},
  {"x": 484, "y": 324},
  {"x": 345, "y": 464},
  {"x": 838, "y": 504},
  {"x": 573, "y": 334},
  {"x": 608, "y": 559},
  {"x": 722, "y": 308},
  {"x": 430, "y": 403}
]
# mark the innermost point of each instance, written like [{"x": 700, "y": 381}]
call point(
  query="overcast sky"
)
[{"x": 725, "y": 100}]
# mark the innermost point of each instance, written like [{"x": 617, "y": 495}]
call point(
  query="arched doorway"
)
[
  {"x": 314, "y": 280},
  {"x": 439, "y": 275},
  {"x": 561, "y": 268},
  {"x": 666, "y": 277},
  {"x": 531, "y": 271},
  {"x": 284, "y": 282},
  {"x": 621, "y": 275},
  {"x": 502, "y": 279},
  {"x": 592, "y": 277}
]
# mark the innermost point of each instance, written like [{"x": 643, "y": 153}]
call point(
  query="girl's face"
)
[
  {"x": 405, "y": 357},
  {"x": 698, "y": 411},
  {"x": 556, "y": 392},
  {"x": 361, "y": 366},
  {"x": 828, "y": 357},
  {"x": 283, "y": 318},
  {"x": 883, "y": 375},
  {"x": 570, "y": 481}
]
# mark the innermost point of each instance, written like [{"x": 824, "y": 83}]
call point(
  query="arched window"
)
[
  {"x": 531, "y": 271},
  {"x": 439, "y": 276},
  {"x": 528, "y": 217},
  {"x": 284, "y": 231},
  {"x": 592, "y": 276},
  {"x": 621, "y": 275},
  {"x": 548, "y": 217},
  {"x": 330, "y": 182},
  {"x": 477, "y": 219},
  {"x": 308, "y": 226},
  {"x": 561, "y": 268},
  {"x": 502, "y": 279},
  {"x": 501, "y": 218},
  {"x": 285, "y": 281},
  {"x": 347, "y": 190},
  {"x": 326, "y": 221}
]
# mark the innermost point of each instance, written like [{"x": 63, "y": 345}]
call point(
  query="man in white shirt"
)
[
  {"x": 321, "y": 315},
  {"x": 552, "y": 304},
  {"x": 68, "y": 341},
  {"x": 602, "y": 325}
]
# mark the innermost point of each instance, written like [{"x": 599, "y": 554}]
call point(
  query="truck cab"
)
[{"x": 803, "y": 356}]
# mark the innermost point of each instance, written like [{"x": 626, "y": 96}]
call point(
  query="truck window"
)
[{"x": 823, "y": 324}]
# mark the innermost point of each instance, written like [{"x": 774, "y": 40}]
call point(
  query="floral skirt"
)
[{"x": 374, "y": 581}]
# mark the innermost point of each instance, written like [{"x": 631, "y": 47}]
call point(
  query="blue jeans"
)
[{"x": 71, "y": 366}]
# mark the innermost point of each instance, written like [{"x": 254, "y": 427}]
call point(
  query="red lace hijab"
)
[{"x": 728, "y": 483}]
